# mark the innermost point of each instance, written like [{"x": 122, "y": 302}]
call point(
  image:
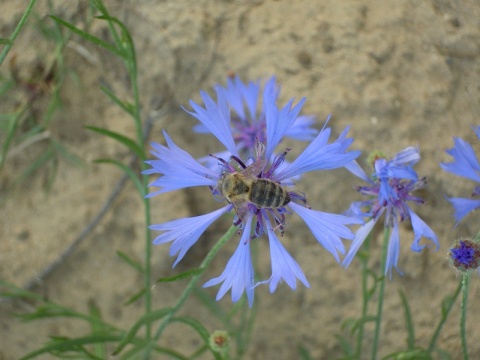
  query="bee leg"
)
[
  {"x": 240, "y": 162},
  {"x": 279, "y": 220},
  {"x": 299, "y": 198}
]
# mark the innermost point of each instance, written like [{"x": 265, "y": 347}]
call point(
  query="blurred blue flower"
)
[
  {"x": 178, "y": 170},
  {"x": 465, "y": 255},
  {"x": 390, "y": 188},
  {"x": 465, "y": 164},
  {"x": 249, "y": 121}
]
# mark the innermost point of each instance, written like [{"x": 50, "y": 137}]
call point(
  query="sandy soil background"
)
[{"x": 400, "y": 73}]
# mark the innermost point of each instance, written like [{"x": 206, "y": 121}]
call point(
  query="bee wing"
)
[
  {"x": 252, "y": 171},
  {"x": 241, "y": 208}
]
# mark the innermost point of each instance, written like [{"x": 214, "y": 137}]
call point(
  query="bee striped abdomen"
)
[{"x": 268, "y": 194}]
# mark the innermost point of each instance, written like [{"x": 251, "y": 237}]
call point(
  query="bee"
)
[{"x": 244, "y": 187}]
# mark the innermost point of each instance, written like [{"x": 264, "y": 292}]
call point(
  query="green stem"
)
[
  {"x": 148, "y": 253},
  {"x": 378, "y": 318},
  {"x": 19, "y": 27},
  {"x": 141, "y": 141},
  {"x": 443, "y": 319},
  {"x": 188, "y": 289},
  {"x": 365, "y": 297},
  {"x": 463, "y": 315}
]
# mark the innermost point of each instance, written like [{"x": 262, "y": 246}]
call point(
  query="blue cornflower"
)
[
  {"x": 389, "y": 189},
  {"x": 249, "y": 122},
  {"x": 465, "y": 254},
  {"x": 180, "y": 170},
  {"x": 465, "y": 164}
]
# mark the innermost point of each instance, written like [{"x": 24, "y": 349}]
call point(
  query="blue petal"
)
[
  {"x": 400, "y": 166},
  {"x": 278, "y": 122},
  {"x": 301, "y": 129},
  {"x": 327, "y": 228},
  {"x": 185, "y": 232},
  {"x": 200, "y": 129},
  {"x": 212, "y": 162},
  {"x": 356, "y": 209},
  {"x": 357, "y": 242},
  {"x": 238, "y": 274},
  {"x": 284, "y": 265},
  {"x": 477, "y": 130},
  {"x": 393, "y": 249},
  {"x": 321, "y": 156},
  {"x": 408, "y": 156},
  {"x": 465, "y": 162},
  {"x": 250, "y": 95},
  {"x": 233, "y": 95},
  {"x": 356, "y": 170},
  {"x": 239, "y": 96},
  {"x": 421, "y": 229},
  {"x": 463, "y": 206},
  {"x": 216, "y": 118},
  {"x": 387, "y": 170},
  {"x": 179, "y": 169}
]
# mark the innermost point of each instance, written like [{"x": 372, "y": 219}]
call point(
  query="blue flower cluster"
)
[
  {"x": 255, "y": 182},
  {"x": 389, "y": 190},
  {"x": 465, "y": 164}
]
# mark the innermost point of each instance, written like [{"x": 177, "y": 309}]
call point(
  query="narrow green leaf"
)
[
  {"x": 414, "y": 354},
  {"x": 66, "y": 154},
  {"x": 345, "y": 345},
  {"x": 126, "y": 38},
  {"x": 194, "y": 324},
  {"x": 41, "y": 160},
  {"x": 128, "y": 170},
  {"x": 52, "y": 174},
  {"x": 126, "y": 106},
  {"x": 443, "y": 355},
  {"x": 93, "y": 39},
  {"x": 304, "y": 353},
  {"x": 134, "y": 264},
  {"x": 6, "y": 41},
  {"x": 144, "y": 320},
  {"x": 134, "y": 352},
  {"x": 197, "y": 353},
  {"x": 135, "y": 297},
  {"x": 361, "y": 322},
  {"x": 103, "y": 10},
  {"x": 128, "y": 142},
  {"x": 183, "y": 275},
  {"x": 446, "y": 305},
  {"x": 408, "y": 321},
  {"x": 209, "y": 302},
  {"x": 99, "y": 5},
  {"x": 97, "y": 326},
  {"x": 17, "y": 30},
  {"x": 201, "y": 330},
  {"x": 15, "y": 292},
  {"x": 10, "y": 133},
  {"x": 68, "y": 344}
]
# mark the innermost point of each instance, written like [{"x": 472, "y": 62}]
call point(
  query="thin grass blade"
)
[
  {"x": 134, "y": 264},
  {"x": 183, "y": 275},
  {"x": 126, "y": 106},
  {"x": 128, "y": 170},
  {"x": 128, "y": 142},
  {"x": 144, "y": 320},
  {"x": 89, "y": 37}
]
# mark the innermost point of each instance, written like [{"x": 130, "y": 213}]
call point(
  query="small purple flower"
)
[
  {"x": 390, "y": 188},
  {"x": 465, "y": 255},
  {"x": 179, "y": 170},
  {"x": 465, "y": 164},
  {"x": 248, "y": 121}
]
